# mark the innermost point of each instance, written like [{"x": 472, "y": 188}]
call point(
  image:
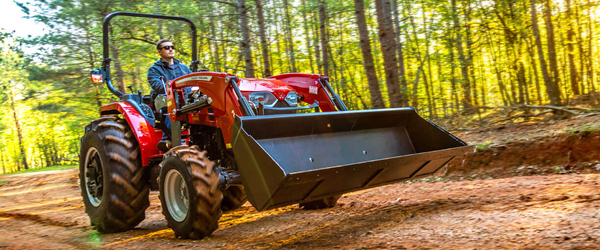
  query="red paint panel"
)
[
  {"x": 146, "y": 135},
  {"x": 224, "y": 101},
  {"x": 308, "y": 86},
  {"x": 278, "y": 88}
]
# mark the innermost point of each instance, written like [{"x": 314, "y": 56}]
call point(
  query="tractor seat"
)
[{"x": 147, "y": 99}]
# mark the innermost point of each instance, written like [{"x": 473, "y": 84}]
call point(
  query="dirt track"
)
[{"x": 555, "y": 206}]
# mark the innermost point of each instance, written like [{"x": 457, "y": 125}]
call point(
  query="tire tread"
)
[
  {"x": 208, "y": 196},
  {"x": 127, "y": 192}
]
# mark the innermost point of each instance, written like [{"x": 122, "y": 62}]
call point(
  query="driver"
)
[{"x": 166, "y": 69}]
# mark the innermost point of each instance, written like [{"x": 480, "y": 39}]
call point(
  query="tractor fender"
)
[{"x": 146, "y": 135}]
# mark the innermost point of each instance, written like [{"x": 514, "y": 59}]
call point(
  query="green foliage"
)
[
  {"x": 483, "y": 146},
  {"x": 53, "y": 98},
  {"x": 49, "y": 121},
  {"x": 583, "y": 131},
  {"x": 590, "y": 127}
]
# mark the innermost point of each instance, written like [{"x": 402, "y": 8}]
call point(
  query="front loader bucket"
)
[{"x": 287, "y": 159}]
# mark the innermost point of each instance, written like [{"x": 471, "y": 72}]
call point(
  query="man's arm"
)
[
  {"x": 187, "y": 90},
  {"x": 155, "y": 81}
]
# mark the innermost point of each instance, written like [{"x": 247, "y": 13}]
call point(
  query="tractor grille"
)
[{"x": 280, "y": 104}]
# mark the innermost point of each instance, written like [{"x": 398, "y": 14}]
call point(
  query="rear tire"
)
[
  {"x": 189, "y": 192},
  {"x": 233, "y": 198},
  {"x": 113, "y": 183},
  {"x": 322, "y": 203}
]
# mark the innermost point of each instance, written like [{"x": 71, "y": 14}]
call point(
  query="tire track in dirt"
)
[
  {"x": 37, "y": 219},
  {"x": 354, "y": 224},
  {"x": 28, "y": 232},
  {"x": 37, "y": 211},
  {"x": 36, "y": 189}
]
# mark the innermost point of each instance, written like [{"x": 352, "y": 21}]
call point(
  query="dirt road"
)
[{"x": 547, "y": 208}]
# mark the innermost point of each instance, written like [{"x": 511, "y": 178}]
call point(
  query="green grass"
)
[
  {"x": 484, "y": 146},
  {"x": 2, "y": 183},
  {"x": 57, "y": 167},
  {"x": 583, "y": 131}
]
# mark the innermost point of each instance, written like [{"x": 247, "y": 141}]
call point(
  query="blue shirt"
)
[{"x": 167, "y": 72}]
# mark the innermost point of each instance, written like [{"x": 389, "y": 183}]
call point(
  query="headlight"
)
[
  {"x": 292, "y": 98},
  {"x": 266, "y": 98}
]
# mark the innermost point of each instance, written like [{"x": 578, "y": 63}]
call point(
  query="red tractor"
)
[{"x": 243, "y": 139}]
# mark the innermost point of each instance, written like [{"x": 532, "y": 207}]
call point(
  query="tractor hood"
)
[{"x": 278, "y": 88}]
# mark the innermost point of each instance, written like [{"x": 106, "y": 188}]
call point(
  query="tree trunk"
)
[
  {"x": 538, "y": 42},
  {"x": 503, "y": 92},
  {"x": 555, "y": 77},
  {"x": 428, "y": 85},
  {"x": 19, "y": 132},
  {"x": 441, "y": 79},
  {"x": 91, "y": 58},
  {"x": 365, "y": 46},
  {"x": 316, "y": 42},
  {"x": 399, "y": 49},
  {"x": 415, "y": 98},
  {"x": 216, "y": 54},
  {"x": 378, "y": 60},
  {"x": 388, "y": 49},
  {"x": 308, "y": 40},
  {"x": 467, "y": 102},
  {"x": 482, "y": 86},
  {"x": 355, "y": 90},
  {"x": 571, "y": 50},
  {"x": 159, "y": 22},
  {"x": 454, "y": 95},
  {"x": 45, "y": 155},
  {"x": 246, "y": 51},
  {"x": 55, "y": 157},
  {"x": 278, "y": 49},
  {"x": 2, "y": 146},
  {"x": 264, "y": 45},
  {"x": 581, "y": 50},
  {"x": 522, "y": 82},
  {"x": 514, "y": 84},
  {"x": 590, "y": 61},
  {"x": 535, "y": 72},
  {"x": 224, "y": 52},
  {"x": 288, "y": 37},
  {"x": 120, "y": 79},
  {"x": 324, "y": 46},
  {"x": 342, "y": 77},
  {"x": 469, "y": 53}
]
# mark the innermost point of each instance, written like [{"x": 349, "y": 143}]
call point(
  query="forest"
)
[{"x": 452, "y": 60}]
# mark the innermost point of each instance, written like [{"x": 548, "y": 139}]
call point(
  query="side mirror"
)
[{"x": 96, "y": 76}]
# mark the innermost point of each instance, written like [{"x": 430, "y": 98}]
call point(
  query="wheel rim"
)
[
  {"x": 94, "y": 179},
  {"x": 176, "y": 195}
]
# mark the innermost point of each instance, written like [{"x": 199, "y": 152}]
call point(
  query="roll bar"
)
[{"x": 105, "y": 48}]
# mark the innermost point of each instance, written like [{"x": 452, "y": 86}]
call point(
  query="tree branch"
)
[
  {"x": 220, "y": 40},
  {"x": 223, "y": 2}
]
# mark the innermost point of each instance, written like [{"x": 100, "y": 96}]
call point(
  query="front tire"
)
[
  {"x": 233, "y": 198},
  {"x": 114, "y": 185},
  {"x": 189, "y": 192}
]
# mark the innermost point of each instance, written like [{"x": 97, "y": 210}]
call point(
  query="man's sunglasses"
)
[{"x": 168, "y": 47}]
